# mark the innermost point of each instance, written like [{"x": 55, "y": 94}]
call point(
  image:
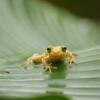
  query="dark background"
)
[{"x": 83, "y": 8}]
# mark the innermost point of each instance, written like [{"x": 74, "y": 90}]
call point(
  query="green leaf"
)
[{"x": 29, "y": 26}]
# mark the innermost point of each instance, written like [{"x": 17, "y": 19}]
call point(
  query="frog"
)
[{"x": 50, "y": 55}]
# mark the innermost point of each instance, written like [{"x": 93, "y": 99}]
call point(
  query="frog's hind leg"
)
[
  {"x": 74, "y": 54},
  {"x": 25, "y": 65}
]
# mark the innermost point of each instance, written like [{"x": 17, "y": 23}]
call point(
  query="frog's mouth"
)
[{"x": 56, "y": 57}]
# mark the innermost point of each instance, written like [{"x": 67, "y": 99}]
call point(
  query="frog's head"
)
[{"x": 57, "y": 51}]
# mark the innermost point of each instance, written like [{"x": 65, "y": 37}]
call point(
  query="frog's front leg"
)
[
  {"x": 71, "y": 57},
  {"x": 72, "y": 61},
  {"x": 46, "y": 65}
]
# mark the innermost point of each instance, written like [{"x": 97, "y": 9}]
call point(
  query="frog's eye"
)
[
  {"x": 48, "y": 49},
  {"x": 64, "y": 49}
]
